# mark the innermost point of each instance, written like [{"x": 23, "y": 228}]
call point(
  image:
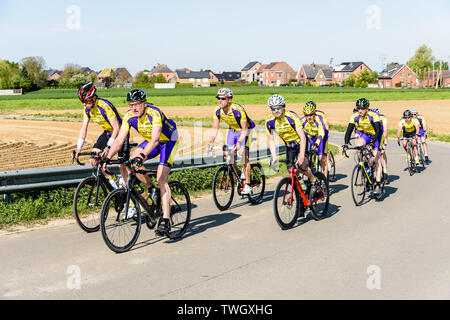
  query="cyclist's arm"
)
[
  {"x": 214, "y": 130},
  {"x": 301, "y": 155},
  {"x": 244, "y": 132},
  {"x": 118, "y": 142},
  {"x": 348, "y": 133},
  {"x": 377, "y": 128},
  {"x": 82, "y": 135},
  {"x": 399, "y": 130},
  {"x": 271, "y": 144},
  {"x": 156, "y": 134},
  {"x": 417, "y": 129},
  {"x": 386, "y": 130},
  {"x": 424, "y": 124}
]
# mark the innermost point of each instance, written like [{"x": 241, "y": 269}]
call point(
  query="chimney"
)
[{"x": 313, "y": 65}]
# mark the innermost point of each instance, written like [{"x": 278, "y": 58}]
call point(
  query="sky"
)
[{"x": 221, "y": 36}]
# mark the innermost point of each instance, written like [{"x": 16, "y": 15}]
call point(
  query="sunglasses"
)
[
  {"x": 221, "y": 98},
  {"x": 276, "y": 108}
]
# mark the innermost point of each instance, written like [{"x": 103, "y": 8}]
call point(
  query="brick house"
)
[
  {"x": 248, "y": 73},
  {"x": 397, "y": 73},
  {"x": 318, "y": 74},
  {"x": 228, "y": 76},
  {"x": 197, "y": 78},
  {"x": 162, "y": 69},
  {"x": 343, "y": 71},
  {"x": 118, "y": 74},
  {"x": 277, "y": 73},
  {"x": 53, "y": 74},
  {"x": 259, "y": 74},
  {"x": 432, "y": 77}
]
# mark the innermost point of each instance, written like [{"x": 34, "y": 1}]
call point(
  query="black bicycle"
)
[
  {"x": 363, "y": 175},
  {"x": 224, "y": 181},
  {"x": 90, "y": 194},
  {"x": 121, "y": 215},
  {"x": 314, "y": 160},
  {"x": 410, "y": 158}
]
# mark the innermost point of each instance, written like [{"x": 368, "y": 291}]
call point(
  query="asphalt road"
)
[{"x": 398, "y": 248}]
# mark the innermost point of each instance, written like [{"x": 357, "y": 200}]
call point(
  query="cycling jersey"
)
[
  {"x": 286, "y": 128},
  {"x": 314, "y": 131},
  {"x": 408, "y": 126},
  {"x": 152, "y": 116},
  {"x": 234, "y": 117},
  {"x": 383, "y": 121},
  {"x": 323, "y": 117},
  {"x": 422, "y": 123},
  {"x": 102, "y": 112},
  {"x": 365, "y": 124}
]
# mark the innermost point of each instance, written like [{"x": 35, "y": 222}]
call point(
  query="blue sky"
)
[{"x": 222, "y": 36}]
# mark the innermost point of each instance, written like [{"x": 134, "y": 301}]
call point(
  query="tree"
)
[
  {"x": 69, "y": 71},
  {"x": 141, "y": 80},
  {"x": 421, "y": 61},
  {"x": 33, "y": 68},
  {"x": 437, "y": 65},
  {"x": 11, "y": 77},
  {"x": 350, "y": 81}
]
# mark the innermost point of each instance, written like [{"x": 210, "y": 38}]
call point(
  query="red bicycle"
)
[{"x": 294, "y": 195}]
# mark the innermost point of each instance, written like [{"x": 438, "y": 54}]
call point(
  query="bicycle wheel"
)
[
  {"x": 319, "y": 208},
  {"x": 331, "y": 167},
  {"x": 180, "y": 210},
  {"x": 411, "y": 163},
  {"x": 119, "y": 231},
  {"x": 286, "y": 203},
  {"x": 87, "y": 203},
  {"x": 223, "y": 188},
  {"x": 358, "y": 185},
  {"x": 257, "y": 182}
]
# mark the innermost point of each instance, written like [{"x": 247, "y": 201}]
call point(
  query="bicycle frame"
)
[{"x": 295, "y": 182}]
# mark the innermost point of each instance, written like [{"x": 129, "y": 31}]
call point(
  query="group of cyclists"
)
[{"x": 298, "y": 132}]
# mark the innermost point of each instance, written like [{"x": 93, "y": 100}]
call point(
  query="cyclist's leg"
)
[
  {"x": 144, "y": 178},
  {"x": 323, "y": 157},
  {"x": 416, "y": 151},
  {"x": 125, "y": 153},
  {"x": 377, "y": 155},
  {"x": 245, "y": 160},
  {"x": 99, "y": 145},
  {"x": 232, "y": 139}
]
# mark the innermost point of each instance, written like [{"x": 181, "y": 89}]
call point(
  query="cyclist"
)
[
  {"x": 422, "y": 132},
  {"x": 384, "y": 128},
  {"x": 106, "y": 115},
  {"x": 315, "y": 132},
  {"x": 161, "y": 138},
  {"x": 321, "y": 115},
  {"x": 289, "y": 128},
  {"x": 240, "y": 127},
  {"x": 367, "y": 128},
  {"x": 411, "y": 128}
]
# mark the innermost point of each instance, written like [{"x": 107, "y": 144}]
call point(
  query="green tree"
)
[
  {"x": 437, "y": 65},
  {"x": 33, "y": 68},
  {"x": 350, "y": 81},
  {"x": 69, "y": 71},
  {"x": 11, "y": 76},
  {"x": 421, "y": 61}
]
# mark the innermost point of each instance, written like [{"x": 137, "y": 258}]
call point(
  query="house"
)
[
  {"x": 117, "y": 74},
  {"x": 432, "y": 77},
  {"x": 315, "y": 73},
  {"x": 228, "y": 76},
  {"x": 53, "y": 74},
  {"x": 197, "y": 78},
  {"x": 162, "y": 69},
  {"x": 248, "y": 73},
  {"x": 343, "y": 71},
  {"x": 88, "y": 71},
  {"x": 397, "y": 75},
  {"x": 260, "y": 74},
  {"x": 277, "y": 73}
]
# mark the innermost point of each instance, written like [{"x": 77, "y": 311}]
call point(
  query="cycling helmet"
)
[
  {"x": 362, "y": 103},
  {"x": 375, "y": 109},
  {"x": 136, "y": 95},
  {"x": 276, "y": 100},
  {"x": 225, "y": 92},
  {"x": 309, "y": 108},
  {"x": 87, "y": 91},
  {"x": 355, "y": 109},
  {"x": 414, "y": 111},
  {"x": 407, "y": 113}
]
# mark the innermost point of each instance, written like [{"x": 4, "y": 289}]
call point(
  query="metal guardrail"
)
[{"x": 48, "y": 178}]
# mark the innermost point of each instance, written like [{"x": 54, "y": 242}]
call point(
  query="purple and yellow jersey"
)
[
  {"x": 314, "y": 129},
  {"x": 234, "y": 117},
  {"x": 152, "y": 116},
  {"x": 365, "y": 124},
  {"x": 421, "y": 122},
  {"x": 409, "y": 126},
  {"x": 286, "y": 128},
  {"x": 102, "y": 112},
  {"x": 323, "y": 117}
]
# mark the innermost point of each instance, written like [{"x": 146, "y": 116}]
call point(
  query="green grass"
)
[{"x": 61, "y": 99}]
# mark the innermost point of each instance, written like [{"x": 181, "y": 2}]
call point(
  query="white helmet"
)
[
  {"x": 414, "y": 111},
  {"x": 225, "y": 92},
  {"x": 375, "y": 109},
  {"x": 276, "y": 100}
]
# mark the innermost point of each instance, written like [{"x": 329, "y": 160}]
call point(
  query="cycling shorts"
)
[
  {"x": 409, "y": 134},
  {"x": 233, "y": 137},
  {"x": 323, "y": 146},
  {"x": 367, "y": 137},
  {"x": 291, "y": 157},
  {"x": 165, "y": 150},
  {"x": 102, "y": 142}
]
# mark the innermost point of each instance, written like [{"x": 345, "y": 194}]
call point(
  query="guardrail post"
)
[{"x": 6, "y": 198}]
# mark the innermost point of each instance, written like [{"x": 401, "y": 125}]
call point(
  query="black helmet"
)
[
  {"x": 87, "y": 91},
  {"x": 407, "y": 113},
  {"x": 362, "y": 103},
  {"x": 136, "y": 95},
  {"x": 355, "y": 109}
]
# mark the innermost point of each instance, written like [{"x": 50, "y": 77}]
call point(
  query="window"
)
[
  {"x": 409, "y": 75},
  {"x": 388, "y": 83}
]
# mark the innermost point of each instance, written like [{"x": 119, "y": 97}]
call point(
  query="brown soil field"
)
[{"x": 26, "y": 144}]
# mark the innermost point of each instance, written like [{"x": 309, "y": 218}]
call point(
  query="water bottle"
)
[
  {"x": 368, "y": 170},
  {"x": 112, "y": 181},
  {"x": 303, "y": 184},
  {"x": 120, "y": 182}
]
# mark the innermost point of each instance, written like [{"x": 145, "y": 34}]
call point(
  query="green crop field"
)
[{"x": 65, "y": 99}]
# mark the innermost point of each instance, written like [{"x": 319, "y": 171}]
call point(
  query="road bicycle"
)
[
  {"x": 90, "y": 194},
  {"x": 410, "y": 157},
  {"x": 121, "y": 214},
  {"x": 314, "y": 160},
  {"x": 421, "y": 152},
  {"x": 363, "y": 175},
  {"x": 225, "y": 177},
  {"x": 294, "y": 195}
]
